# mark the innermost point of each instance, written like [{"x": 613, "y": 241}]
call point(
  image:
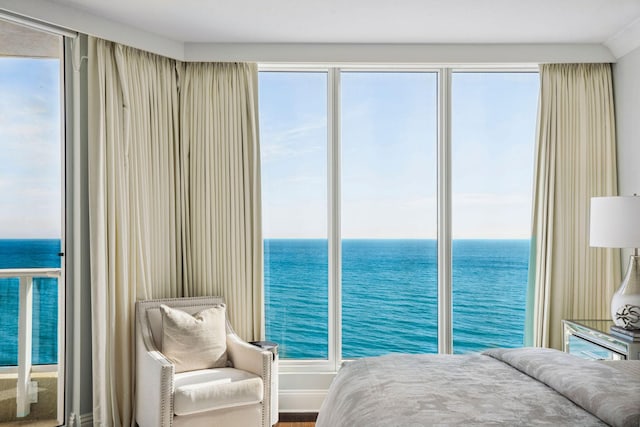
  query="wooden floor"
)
[
  {"x": 296, "y": 424},
  {"x": 297, "y": 420}
]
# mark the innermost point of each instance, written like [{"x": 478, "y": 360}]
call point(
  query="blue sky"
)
[
  {"x": 389, "y": 143},
  {"x": 30, "y": 167},
  {"x": 388, "y": 153}
]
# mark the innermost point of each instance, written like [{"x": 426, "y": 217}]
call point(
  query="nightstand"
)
[{"x": 591, "y": 339}]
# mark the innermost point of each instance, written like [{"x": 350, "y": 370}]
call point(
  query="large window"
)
[
  {"x": 293, "y": 109},
  {"x": 493, "y": 129},
  {"x": 351, "y": 184},
  {"x": 388, "y": 216}
]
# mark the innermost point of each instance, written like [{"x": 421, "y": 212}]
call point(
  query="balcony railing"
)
[{"x": 24, "y": 390}]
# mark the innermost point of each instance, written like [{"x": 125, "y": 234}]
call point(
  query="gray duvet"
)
[{"x": 507, "y": 387}]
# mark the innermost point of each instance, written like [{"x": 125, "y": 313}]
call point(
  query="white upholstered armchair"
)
[{"x": 237, "y": 393}]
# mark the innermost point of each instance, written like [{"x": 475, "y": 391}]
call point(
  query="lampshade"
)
[{"x": 615, "y": 222}]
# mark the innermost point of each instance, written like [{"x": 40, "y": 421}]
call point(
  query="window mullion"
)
[
  {"x": 335, "y": 256},
  {"x": 445, "y": 300}
]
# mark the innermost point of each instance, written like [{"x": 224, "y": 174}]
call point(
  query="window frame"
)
[{"x": 444, "y": 197}]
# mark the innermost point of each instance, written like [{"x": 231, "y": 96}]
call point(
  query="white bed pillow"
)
[{"x": 194, "y": 342}]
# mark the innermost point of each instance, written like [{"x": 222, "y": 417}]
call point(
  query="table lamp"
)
[{"x": 615, "y": 223}]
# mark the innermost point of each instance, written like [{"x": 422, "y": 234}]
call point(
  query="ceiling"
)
[
  {"x": 371, "y": 21},
  {"x": 411, "y": 32}
]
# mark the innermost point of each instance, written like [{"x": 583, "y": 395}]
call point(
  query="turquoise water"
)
[
  {"x": 29, "y": 254},
  {"x": 389, "y": 296}
]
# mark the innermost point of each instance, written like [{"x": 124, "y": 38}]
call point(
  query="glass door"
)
[{"x": 31, "y": 230}]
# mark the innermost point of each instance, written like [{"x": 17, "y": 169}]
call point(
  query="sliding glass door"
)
[{"x": 31, "y": 233}]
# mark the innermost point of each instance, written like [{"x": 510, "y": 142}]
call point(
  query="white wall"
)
[
  {"x": 626, "y": 85},
  {"x": 626, "y": 91}
]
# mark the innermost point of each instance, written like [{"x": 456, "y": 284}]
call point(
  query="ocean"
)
[
  {"x": 389, "y": 296},
  {"x": 36, "y": 253}
]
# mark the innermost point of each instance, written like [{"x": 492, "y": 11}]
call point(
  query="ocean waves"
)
[{"x": 389, "y": 296}]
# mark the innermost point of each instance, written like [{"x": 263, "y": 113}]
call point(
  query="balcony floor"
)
[{"x": 43, "y": 413}]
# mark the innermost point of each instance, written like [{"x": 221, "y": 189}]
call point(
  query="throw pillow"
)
[{"x": 194, "y": 342}]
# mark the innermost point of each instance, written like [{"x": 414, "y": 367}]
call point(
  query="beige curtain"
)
[
  {"x": 174, "y": 201},
  {"x": 221, "y": 180},
  {"x": 134, "y": 220},
  {"x": 575, "y": 160}
]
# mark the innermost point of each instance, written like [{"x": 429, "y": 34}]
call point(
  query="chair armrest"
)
[
  {"x": 257, "y": 361},
  {"x": 249, "y": 357},
  {"x": 154, "y": 387}
]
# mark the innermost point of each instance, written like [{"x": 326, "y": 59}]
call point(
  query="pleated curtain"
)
[
  {"x": 174, "y": 201},
  {"x": 221, "y": 178},
  {"x": 575, "y": 160}
]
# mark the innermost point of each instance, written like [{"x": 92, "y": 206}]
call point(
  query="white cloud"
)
[{"x": 293, "y": 141}]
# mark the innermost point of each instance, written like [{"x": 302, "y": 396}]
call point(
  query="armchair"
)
[{"x": 235, "y": 395}]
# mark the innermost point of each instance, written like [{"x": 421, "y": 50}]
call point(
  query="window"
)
[
  {"x": 493, "y": 131},
  {"x": 293, "y": 124},
  {"x": 31, "y": 233},
  {"x": 352, "y": 271},
  {"x": 389, "y": 257}
]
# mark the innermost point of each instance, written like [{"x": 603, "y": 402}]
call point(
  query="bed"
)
[{"x": 514, "y": 387}]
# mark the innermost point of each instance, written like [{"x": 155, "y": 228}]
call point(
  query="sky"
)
[
  {"x": 388, "y": 154},
  {"x": 30, "y": 148}
]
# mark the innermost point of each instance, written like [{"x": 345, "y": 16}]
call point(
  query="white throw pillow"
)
[{"x": 194, "y": 342}]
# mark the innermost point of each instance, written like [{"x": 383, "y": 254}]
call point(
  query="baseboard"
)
[{"x": 300, "y": 401}]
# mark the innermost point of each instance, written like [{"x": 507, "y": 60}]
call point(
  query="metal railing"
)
[{"x": 25, "y": 329}]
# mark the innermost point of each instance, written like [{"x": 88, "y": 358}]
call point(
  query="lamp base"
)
[{"x": 625, "y": 304}]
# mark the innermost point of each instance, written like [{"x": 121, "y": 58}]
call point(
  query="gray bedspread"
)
[{"x": 515, "y": 387}]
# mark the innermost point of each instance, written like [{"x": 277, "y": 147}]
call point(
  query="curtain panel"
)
[
  {"x": 575, "y": 160},
  {"x": 133, "y": 217},
  {"x": 174, "y": 201},
  {"x": 220, "y": 164}
]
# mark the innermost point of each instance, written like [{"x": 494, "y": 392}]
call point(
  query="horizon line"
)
[{"x": 397, "y": 238}]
